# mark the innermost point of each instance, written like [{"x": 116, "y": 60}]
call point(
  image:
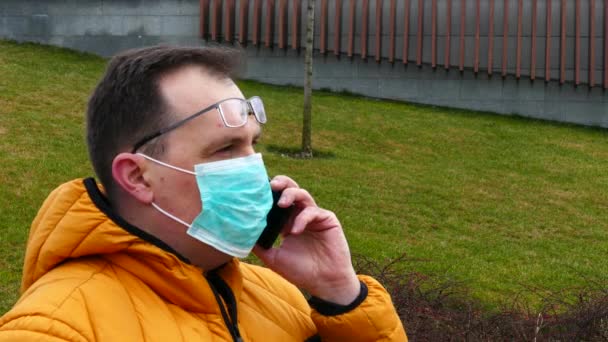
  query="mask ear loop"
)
[
  {"x": 167, "y": 165},
  {"x": 170, "y": 215},
  {"x": 163, "y": 211}
]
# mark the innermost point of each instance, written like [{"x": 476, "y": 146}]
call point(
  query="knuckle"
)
[
  {"x": 329, "y": 213},
  {"x": 290, "y": 183},
  {"x": 292, "y": 192}
]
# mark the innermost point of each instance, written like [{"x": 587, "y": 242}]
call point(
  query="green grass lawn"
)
[{"x": 497, "y": 203}]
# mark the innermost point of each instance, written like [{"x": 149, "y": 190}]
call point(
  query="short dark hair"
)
[{"x": 127, "y": 103}]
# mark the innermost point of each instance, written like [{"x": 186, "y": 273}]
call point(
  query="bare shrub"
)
[{"x": 434, "y": 310}]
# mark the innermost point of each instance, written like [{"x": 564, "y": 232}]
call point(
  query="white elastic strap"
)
[
  {"x": 167, "y": 165},
  {"x": 170, "y": 215}
]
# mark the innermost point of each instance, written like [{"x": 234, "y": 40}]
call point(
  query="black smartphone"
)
[{"x": 276, "y": 219}]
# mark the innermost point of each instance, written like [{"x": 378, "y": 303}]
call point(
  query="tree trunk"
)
[{"x": 307, "y": 115}]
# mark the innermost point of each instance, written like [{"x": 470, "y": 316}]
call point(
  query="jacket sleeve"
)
[
  {"x": 372, "y": 319},
  {"x": 38, "y": 328}
]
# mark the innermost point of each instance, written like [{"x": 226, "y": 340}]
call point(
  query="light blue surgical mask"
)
[{"x": 236, "y": 198}]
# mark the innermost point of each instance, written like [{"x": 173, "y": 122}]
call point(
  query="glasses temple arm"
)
[{"x": 156, "y": 134}]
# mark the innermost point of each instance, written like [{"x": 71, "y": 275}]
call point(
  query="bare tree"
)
[{"x": 307, "y": 115}]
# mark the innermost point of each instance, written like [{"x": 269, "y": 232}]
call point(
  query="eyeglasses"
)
[{"x": 233, "y": 111}]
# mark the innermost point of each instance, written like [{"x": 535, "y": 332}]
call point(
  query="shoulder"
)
[
  {"x": 72, "y": 280},
  {"x": 61, "y": 303}
]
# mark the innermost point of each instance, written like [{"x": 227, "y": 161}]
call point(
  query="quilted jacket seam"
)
[
  {"x": 274, "y": 295},
  {"x": 76, "y": 288},
  {"x": 39, "y": 333},
  {"x": 56, "y": 224},
  {"x": 268, "y": 319},
  {"x": 141, "y": 328}
]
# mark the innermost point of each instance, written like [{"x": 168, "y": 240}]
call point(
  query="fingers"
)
[
  {"x": 322, "y": 219},
  {"x": 300, "y": 197},
  {"x": 307, "y": 211},
  {"x": 292, "y": 194},
  {"x": 279, "y": 183}
]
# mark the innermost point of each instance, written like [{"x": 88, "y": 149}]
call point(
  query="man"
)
[{"x": 151, "y": 256}]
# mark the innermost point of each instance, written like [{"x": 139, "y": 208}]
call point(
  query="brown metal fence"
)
[{"x": 480, "y": 35}]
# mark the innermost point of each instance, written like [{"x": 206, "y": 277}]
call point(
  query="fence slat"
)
[
  {"x": 229, "y": 21},
  {"x": 463, "y": 10},
  {"x": 477, "y": 33},
  {"x": 243, "y": 21},
  {"x": 591, "y": 13},
  {"x": 548, "y": 44},
  {"x": 257, "y": 14},
  {"x": 420, "y": 33},
  {"x": 391, "y": 48},
  {"x": 520, "y": 9},
  {"x": 448, "y": 35},
  {"x": 296, "y": 24},
  {"x": 364, "y": 29},
  {"x": 406, "y": 31},
  {"x": 217, "y": 17},
  {"x": 533, "y": 47},
  {"x": 323, "y": 27},
  {"x": 491, "y": 39},
  {"x": 505, "y": 36},
  {"x": 351, "y": 27},
  {"x": 434, "y": 35},
  {"x": 577, "y": 43},
  {"x": 338, "y": 28},
  {"x": 203, "y": 19},
  {"x": 378, "y": 31},
  {"x": 269, "y": 23},
  {"x": 605, "y": 44},
  {"x": 282, "y": 23},
  {"x": 562, "y": 63}
]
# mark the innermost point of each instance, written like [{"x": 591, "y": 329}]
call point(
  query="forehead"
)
[{"x": 192, "y": 88}]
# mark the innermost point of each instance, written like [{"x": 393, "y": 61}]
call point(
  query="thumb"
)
[{"x": 268, "y": 256}]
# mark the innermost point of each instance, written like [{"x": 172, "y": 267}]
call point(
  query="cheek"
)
[
  {"x": 182, "y": 196},
  {"x": 187, "y": 189}
]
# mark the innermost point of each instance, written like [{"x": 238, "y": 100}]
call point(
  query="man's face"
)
[{"x": 203, "y": 139}]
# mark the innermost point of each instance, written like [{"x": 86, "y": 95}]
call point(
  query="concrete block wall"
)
[
  {"x": 100, "y": 26},
  {"x": 105, "y": 27}
]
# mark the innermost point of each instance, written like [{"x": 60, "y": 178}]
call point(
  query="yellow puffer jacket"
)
[{"x": 90, "y": 276}]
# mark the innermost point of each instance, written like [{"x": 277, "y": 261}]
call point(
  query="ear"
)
[{"x": 129, "y": 171}]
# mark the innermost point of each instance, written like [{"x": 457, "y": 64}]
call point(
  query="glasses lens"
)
[
  {"x": 234, "y": 112},
  {"x": 258, "y": 109}
]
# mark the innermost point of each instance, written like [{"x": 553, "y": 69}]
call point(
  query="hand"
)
[{"x": 314, "y": 254}]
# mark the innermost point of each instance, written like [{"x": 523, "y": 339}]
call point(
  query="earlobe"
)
[{"x": 128, "y": 171}]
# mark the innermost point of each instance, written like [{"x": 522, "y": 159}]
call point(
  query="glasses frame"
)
[{"x": 146, "y": 139}]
